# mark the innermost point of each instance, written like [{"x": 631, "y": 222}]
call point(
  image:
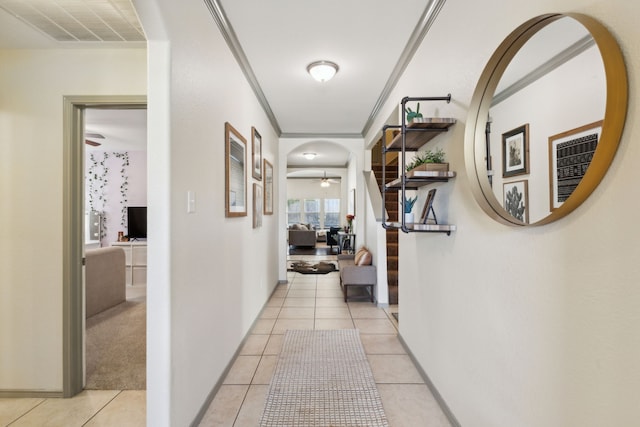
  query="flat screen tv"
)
[{"x": 137, "y": 222}]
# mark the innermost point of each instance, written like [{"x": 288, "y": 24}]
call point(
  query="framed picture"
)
[
  {"x": 256, "y": 154},
  {"x": 428, "y": 207},
  {"x": 257, "y": 205},
  {"x": 570, "y": 155},
  {"x": 235, "y": 194},
  {"x": 268, "y": 188},
  {"x": 516, "y": 199},
  {"x": 515, "y": 151}
]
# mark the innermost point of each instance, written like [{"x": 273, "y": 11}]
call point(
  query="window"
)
[
  {"x": 320, "y": 213},
  {"x": 293, "y": 212},
  {"x": 312, "y": 212},
  {"x": 331, "y": 213}
]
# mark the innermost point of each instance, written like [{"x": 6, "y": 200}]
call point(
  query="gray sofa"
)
[
  {"x": 105, "y": 285},
  {"x": 302, "y": 235},
  {"x": 352, "y": 275}
]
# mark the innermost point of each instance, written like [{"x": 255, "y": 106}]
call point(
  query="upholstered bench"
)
[{"x": 357, "y": 271}]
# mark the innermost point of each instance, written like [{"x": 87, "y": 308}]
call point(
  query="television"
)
[{"x": 136, "y": 222}]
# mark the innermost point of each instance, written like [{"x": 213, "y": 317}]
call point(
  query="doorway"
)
[{"x": 73, "y": 235}]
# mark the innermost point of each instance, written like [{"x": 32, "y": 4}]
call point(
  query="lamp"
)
[
  {"x": 309, "y": 156},
  {"x": 324, "y": 183},
  {"x": 322, "y": 71}
]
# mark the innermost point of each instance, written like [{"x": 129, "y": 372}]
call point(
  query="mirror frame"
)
[{"x": 612, "y": 127}]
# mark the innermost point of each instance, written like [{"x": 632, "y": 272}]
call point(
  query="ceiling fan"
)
[
  {"x": 92, "y": 135},
  {"x": 325, "y": 182}
]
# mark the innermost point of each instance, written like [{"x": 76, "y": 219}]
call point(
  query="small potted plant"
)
[
  {"x": 428, "y": 161},
  {"x": 408, "y": 207}
]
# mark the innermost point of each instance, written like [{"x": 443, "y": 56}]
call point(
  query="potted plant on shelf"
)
[
  {"x": 408, "y": 207},
  {"x": 428, "y": 161}
]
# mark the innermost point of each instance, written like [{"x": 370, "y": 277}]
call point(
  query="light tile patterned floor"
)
[
  {"x": 308, "y": 301},
  {"x": 316, "y": 302}
]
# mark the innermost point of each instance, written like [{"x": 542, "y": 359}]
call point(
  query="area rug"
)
[
  {"x": 116, "y": 348},
  {"x": 323, "y": 378},
  {"x": 303, "y": 267}
]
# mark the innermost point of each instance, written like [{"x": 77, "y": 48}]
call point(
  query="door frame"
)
[{"x": 73, "y": 322}]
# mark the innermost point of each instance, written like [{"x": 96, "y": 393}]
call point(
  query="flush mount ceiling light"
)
[
  {"x": 322, "y": 71},
  {"x": 309, "y": 156}
]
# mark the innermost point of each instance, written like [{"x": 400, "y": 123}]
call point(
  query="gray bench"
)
[{"x": 352, "y": 275}]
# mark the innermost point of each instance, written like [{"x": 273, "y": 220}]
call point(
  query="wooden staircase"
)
[{"x": 392, "y": 206}]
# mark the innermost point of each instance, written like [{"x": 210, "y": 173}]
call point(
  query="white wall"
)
[
  {"x": 524, "y": 327},
  {"x": 221, "y": 270},
  {"x": 33, "y": 84}
]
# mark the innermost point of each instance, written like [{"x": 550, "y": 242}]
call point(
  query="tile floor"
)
[
  {"x": 306, "y": 302},
  {"x": 91, "y": 408},
  {"x": 316, "y": 302}
]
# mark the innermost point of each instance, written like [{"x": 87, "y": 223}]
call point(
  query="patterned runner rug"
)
[{"x": 323, "y": 378}]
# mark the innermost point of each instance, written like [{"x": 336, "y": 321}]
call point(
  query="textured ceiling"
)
[{"x": 79, "y": 20}]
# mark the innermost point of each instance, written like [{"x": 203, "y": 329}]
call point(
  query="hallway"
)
[
  {"x": 316, "y": 302},
  {"x": 306, "y": 302}
]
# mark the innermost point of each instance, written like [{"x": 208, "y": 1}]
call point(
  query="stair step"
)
[
  {"x": 392, "y": 250},
  {"x": 392, "y": 263},
  {"x": 393, "y": 294}
]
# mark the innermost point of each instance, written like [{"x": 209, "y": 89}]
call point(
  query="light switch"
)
[{"x": 191, "y": 201}]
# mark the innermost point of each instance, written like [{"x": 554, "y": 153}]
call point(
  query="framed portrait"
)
[
  {"x": 428, "y": 207},
  {"x": 256, "y": 154},
  {"x": 235, "y": 194},
  {"x": 515, "y": 151},
  {"x": 257, "y": 205},
  {"x": 268, "y": 188},
  {"x": 570, "y": 155},
  {"x": 516, "y": 199}
]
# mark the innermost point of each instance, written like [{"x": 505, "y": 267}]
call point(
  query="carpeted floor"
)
[
  {"x": 116, "y": 348},
  {"x": 323, "y": 378}
]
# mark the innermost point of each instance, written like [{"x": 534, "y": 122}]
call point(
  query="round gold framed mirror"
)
[{"x": 545, "y": 119}]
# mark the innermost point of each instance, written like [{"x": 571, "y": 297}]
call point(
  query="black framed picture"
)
[{"x": 515, "y": 151}]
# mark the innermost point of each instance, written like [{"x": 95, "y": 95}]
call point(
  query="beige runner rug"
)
[{"x": 323, "y": 378}]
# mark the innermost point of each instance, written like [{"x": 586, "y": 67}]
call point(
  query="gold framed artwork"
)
[
  {"x": 256, "y": 154},
  {"x": 235, "y": 166},
  {"x": 268, "y": 187},
  {"x": 570, "y": 154}
]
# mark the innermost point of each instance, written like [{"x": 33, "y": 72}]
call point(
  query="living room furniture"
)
[
  {"x": 104, "y": 279},
  {"x": 346, "y": 242},
  {"x": 354, "y": 275},
  {"x": 136, "y": 261},
  {"x": 332, "y": 239},
  {"x": 302, "y": 235}
]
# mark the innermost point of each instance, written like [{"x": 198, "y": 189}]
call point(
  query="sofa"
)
[
  {"x": 302, "y": 235},
  {"x": 357, "y": 271},
  {"x": 105, "y": 285}
]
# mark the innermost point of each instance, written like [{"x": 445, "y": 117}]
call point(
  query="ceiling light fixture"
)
[
  {"x": 324, "y": 183},
  {"x": 309, "y": 156},
  {"x": 323, "y": 71}
]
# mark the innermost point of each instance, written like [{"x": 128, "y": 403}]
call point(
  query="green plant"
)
[
  {"x": 413, "y": 114},
  {"x": 428, "y": 156},
  {"x": 408, "y": 204}
]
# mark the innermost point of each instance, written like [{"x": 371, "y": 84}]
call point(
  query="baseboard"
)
[
  {"x": 436, "y": 394},
  {"x": 30, "y": 393},
  {"x": 203, "y": 409}
]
